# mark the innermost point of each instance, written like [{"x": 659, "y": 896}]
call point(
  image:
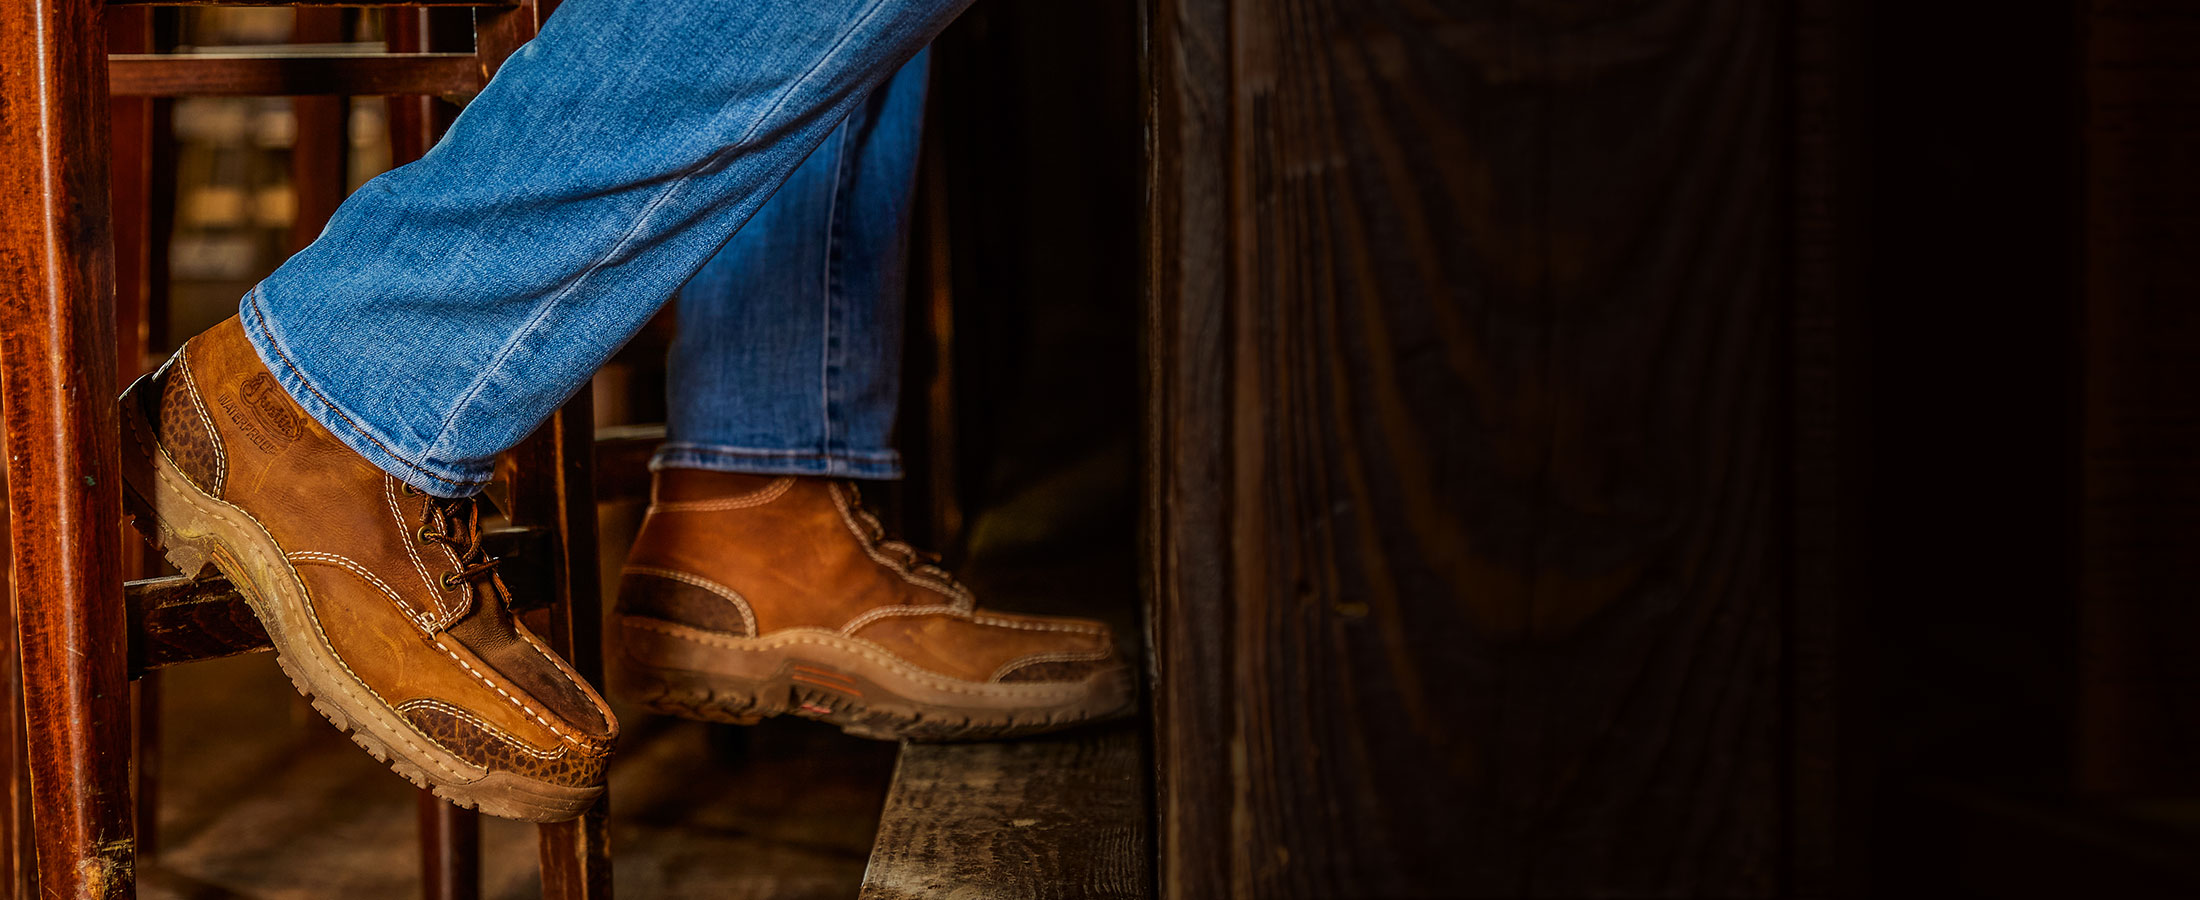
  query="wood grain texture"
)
[
  {"x": 314, "y": 3},
  {"x": 551, "y": 487},
  {"x": 1823, "y": 832},
  {"x": 2141, "y": 489},
  {"x": 450, "y": 850},
  {"x": 1479, "y": 342},
  {"x": 57, "y": 368},
  {"x": 412, "y": 119},
  {"x": 253, "y": 74},
  {"x": 1188, "y": 448},
  {"x": 1059, "y": 818},
  {"x": 320, "y": 153}
]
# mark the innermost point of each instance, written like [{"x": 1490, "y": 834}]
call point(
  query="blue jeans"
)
[
  {"x": 454, "y": 303},
  {"x": 787, "y": 360}
]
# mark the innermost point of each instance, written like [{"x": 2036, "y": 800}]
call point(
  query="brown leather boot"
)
[
  {"x": 381, "y": 604},
  {"x": 749, "y": 596}
]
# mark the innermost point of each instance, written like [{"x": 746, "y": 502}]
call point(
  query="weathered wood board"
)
[{"x": 1058, "y": 818}]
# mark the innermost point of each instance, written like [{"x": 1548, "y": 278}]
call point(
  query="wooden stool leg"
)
[
  {"x": 553, "y": 486},
  {"x": 450, "y": 850},
  {"x": 132, "y": 124},
  {"x": 57, "y": 362}
]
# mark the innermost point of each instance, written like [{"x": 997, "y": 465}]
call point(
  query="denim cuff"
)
[
  {"x": 441, "y": 481},
  {"x": 880, "y": 465}
]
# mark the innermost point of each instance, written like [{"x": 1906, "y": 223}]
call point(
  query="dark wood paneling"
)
[
  {"x": 1823, "y": 823},
  {"x": 1187, "y": 460},
  {"x": 1469, "y": 330},
  {"x": 2141, "y": 514},
  {"x": 1059, "y": 818},
  {"x": 57, "y": 343}
]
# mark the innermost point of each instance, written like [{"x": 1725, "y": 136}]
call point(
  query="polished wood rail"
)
[
  {"x": 478, "y": 4},
  {"x": 500, "y": 28},
  {"x": 261, "y": 74}
]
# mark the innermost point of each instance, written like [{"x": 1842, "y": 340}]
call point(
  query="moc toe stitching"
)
[{"x": 481, "y": 676}]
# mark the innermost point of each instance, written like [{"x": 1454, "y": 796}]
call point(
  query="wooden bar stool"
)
[{"x": 81, "y": 634}]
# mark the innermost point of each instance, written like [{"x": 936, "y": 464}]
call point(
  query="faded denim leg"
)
[
  {"x": 787, "y": 359},
  {"x": 454, "y": 303}
]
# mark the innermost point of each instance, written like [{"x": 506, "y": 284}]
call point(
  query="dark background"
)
[
  {"x": 1570, "y": 449},
  {"x": 1711, "y": 448}
]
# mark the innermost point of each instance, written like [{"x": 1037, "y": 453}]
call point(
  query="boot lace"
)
[
  {"x": 902, "y": 552},
  {"x": 455, "y": 523}
]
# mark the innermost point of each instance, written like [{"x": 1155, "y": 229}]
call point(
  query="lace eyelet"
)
[
  {"x": 409, "y": 490},
  {"x": 425, "y": 536},
  {"x": 448, "y": 584}
]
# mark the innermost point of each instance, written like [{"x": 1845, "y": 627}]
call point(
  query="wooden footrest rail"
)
[
  {"x": 295, "y": 3},
  {"x": 355, "y": 74}
]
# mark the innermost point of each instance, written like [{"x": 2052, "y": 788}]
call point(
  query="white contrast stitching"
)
[
  {"x": 191, "y": 390},
  {"x": 522, "y": 704},
  {"x": 1071, "y": 627},
  {"x": 1036, "y": 658},
  {"x": 882, "y": 612},
  {"x": 483, "y": 724},
  {"x": 404, "y": 532},
  {"x": 858, "y": 646},
  {"x": 945, "y": 589},
  {"x": 411, "y": 612},
  {"x": 601, "y": 709}
]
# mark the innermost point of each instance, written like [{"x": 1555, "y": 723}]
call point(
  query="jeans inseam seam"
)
[
  {"x": 274, "y": 346},
  {"x": 707, "y": 162},
  {"x": 827, "y": 295}
]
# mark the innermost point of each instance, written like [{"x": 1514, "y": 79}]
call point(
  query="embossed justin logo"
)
[{"x": 266, "y": 417}]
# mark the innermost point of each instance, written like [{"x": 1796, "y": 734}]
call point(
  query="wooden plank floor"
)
[{"x": 262, "y": 799}]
